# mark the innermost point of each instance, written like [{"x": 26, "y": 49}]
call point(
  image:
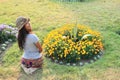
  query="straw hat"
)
[{"x": 21, "y": 21}]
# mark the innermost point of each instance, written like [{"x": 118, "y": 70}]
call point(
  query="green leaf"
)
[{"x": 86, "y": 35}]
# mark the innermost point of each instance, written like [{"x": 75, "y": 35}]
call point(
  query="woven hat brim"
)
[{"x": 21, "y": 26}]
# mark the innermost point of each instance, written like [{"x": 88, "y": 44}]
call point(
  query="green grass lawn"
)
[{"x": 46, "y": 15}]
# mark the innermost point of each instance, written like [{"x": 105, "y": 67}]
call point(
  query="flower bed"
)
[
  {"x": 72, "y": 44},
  {"x": 7, "y": 35}
]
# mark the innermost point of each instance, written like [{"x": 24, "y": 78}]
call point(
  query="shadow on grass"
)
[{"x": 37, "y": 75}]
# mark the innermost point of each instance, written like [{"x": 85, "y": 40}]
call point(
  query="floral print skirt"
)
[{"x": 32, "y": 63}]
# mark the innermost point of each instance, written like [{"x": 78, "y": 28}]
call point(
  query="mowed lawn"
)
[{"x": 46, "y": 15}]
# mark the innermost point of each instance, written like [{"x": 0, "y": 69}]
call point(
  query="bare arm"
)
[{"x": 39, "y": 46}]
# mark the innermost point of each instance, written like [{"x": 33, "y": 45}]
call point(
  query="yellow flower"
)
[
  {"x": 60, "y": 39},
  {"x": 61, "y": 55},
  {"x": 95, "y": 52},
  {"x": 78, "y": 52}
]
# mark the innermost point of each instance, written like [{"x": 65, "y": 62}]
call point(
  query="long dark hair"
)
[{"x": 21, "y": 37}]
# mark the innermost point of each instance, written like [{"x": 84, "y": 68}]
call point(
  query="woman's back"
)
[{"x": 30, "y": 50}]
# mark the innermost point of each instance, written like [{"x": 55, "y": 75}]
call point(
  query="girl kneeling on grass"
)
[{"x": 29, "y": 43}]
